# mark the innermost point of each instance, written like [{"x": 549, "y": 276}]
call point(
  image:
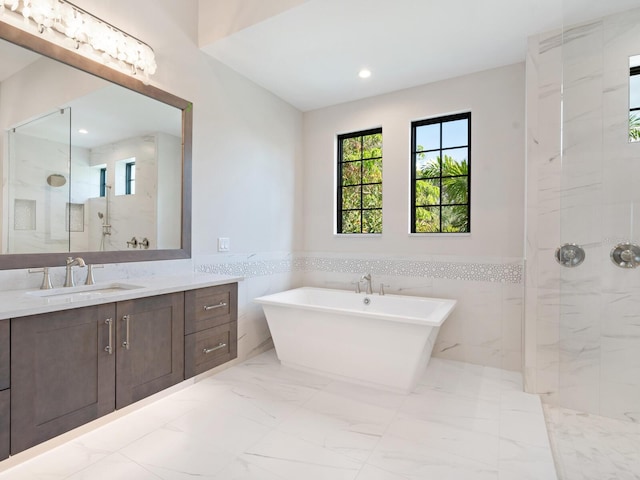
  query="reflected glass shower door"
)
[
  {"x": 38, "y": 186},
  {"x": 599, "y": 192}
]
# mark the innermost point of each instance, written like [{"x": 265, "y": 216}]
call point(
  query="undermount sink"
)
[{"x": 83, "y": 291}]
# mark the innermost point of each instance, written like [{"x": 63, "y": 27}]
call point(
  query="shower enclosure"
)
[
  {"x": 38, "y": 188},
  {"x": 582, "y": 318}
]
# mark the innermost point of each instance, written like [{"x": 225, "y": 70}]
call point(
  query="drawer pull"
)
[
  {"x": 109, "y": 348},
  {"x": 209, "y": 350},
  {"x": 127, "y": 342},
  {"x": 213, "y": 307}
]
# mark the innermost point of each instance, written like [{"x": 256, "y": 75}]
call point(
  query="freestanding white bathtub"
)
[{"x": 381, "y": 341}]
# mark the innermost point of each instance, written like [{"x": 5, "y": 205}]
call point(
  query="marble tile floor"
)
[
  {"x": 590, "y": 447},
  {"x": 261, "y": 421}
]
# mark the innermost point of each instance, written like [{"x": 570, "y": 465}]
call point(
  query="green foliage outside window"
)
[
  {"x": 634, "y": 126},
  {"x": 451, "y": 189},
  {"x": 360, "y": 182},
  {"x": 441, "y": 150}
]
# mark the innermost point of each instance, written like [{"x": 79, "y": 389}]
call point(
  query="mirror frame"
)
[{"x": 44, "y": 47}]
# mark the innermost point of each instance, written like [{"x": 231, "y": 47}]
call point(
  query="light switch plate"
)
[{"x": 223, "y": 244}]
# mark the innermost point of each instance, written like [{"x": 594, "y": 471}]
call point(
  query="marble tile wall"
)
[
  {"x": 33, "y": 160},
  {"x": 485, "y": 328},
  {"x": 582, "y": 350}
]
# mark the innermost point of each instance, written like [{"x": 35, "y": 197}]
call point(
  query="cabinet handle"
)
[
  {"x": 209, "y": 350},
  {"x": 213, "y": 307},
  {"x": 109, "y": 348},
  {"x": 127, "y": 343}
]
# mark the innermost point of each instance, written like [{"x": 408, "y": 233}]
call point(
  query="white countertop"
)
[{"x": 20, "y": 303}]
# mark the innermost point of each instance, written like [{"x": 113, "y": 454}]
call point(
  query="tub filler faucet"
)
[{"x": 367, "y": 278}]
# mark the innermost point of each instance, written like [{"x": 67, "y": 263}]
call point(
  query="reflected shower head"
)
[
  {"x": 56, "y": 180},
  {"x": 100, "y": 215}
]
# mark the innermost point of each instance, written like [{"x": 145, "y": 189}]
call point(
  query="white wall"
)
[
  {"x": 240, "y": 14},
  {"x": 169, "y": 210},
  {"x": 482, "y": 270},
  {"x": 496, "y": 101}
]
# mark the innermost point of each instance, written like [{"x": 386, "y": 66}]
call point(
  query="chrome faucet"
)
[
  {"x": 72, "y": 262},
  {"x": 367, "y": 278}
]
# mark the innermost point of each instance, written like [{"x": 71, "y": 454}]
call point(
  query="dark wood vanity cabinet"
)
[
  {"x": 150, "y": 355},
  {"x": 61, "y": 375},
  {"x": 62, "y": 369},
  {"x": 73, "y": 366},
  {"x": 4, "y": 354},
  {"x": 211, "y": 327},
  {"x": 5, "y": 393}
]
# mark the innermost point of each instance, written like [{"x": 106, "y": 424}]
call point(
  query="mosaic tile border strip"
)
[
  {"x": 256, "y": 268},
  {"x": 483, "y": 272},
  {"x": 473, "y": 271}
]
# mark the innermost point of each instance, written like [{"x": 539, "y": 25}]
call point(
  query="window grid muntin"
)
[
  {"x": 361, "y": 209},
  {"x": 634, "y": 108},
  {"x": 632, "y": 72},
  {"x": 130, "y": 178},
  {"x": 414, "y": 177}
]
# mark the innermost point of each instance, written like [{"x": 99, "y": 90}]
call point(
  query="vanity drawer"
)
[
  {"x": 209, "y": 307},
  {"x": 210, "y": 348},
  {"x": 4, "y": 354},
  {"x": 5, "y": 395}
]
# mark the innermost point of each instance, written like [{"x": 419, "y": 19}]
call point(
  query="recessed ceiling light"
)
[
  {"x": 364, "y": 73},
  {"x": 84, "y": 131}
]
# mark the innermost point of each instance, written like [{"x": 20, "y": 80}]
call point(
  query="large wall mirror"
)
[{"x": 94, "y": 162}]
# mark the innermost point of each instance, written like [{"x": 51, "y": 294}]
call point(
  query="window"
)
[
  {"x": 440, "y": 186},
  {"x": 634, "y": 100},
  {"x": 103, "y": 182},
  {"x": 360, "y": 182},
  {"x": 130, "y": 178}
]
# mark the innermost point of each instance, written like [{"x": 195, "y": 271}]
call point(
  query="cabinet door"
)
[
  {"x": 150, "y": 354},
  {"x": 61, "y": 375},
  {"x": 4, "y": 385},
  {"x": 4, "y": 423},
  {"x": 4, "y": 354}
]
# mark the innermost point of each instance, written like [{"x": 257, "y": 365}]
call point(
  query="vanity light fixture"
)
[
  {"x": 69, "y": 26},
  {"x": 364, "y": 73}
]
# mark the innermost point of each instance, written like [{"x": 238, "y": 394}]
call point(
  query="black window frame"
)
[
  {"x": 103, "y": 182},
  {"x": 414, "y": 154},
  {"x": 632, "y": 72},
  {"x": 340, "y": 162},
  {"x": 128, "y": 179}
]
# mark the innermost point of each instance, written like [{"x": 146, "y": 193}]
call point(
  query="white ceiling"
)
[
  {"x": 14, "y": 59},
  {"x": 110, "y": 113},
  {"x": 310, "y": 55}
]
